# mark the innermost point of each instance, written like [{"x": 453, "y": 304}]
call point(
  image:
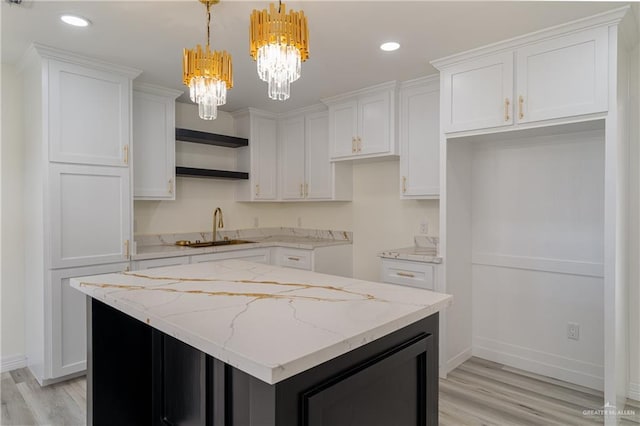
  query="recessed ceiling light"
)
[
  {"x": 75, "y": 20},
  {"x": 390, "y": 46}
]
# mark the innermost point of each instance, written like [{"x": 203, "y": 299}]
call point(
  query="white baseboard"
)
[
  {"x": 455, "y": 361},
  {"x": 634, "y": 391},
  {"x": 546, "y": 364},
  {"x": 13, "y": 363}
]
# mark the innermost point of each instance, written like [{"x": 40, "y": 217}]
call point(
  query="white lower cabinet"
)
[
  {"x": 66, "y": 322},
  {"x": 333, "y": 260},
  {"x": 294, "y": 258},
  {"x": 260, "y": 255},
  {"x": 409, "y": 273}
]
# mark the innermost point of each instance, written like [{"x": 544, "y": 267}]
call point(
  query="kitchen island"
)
[{"x": 240, "y": 343}]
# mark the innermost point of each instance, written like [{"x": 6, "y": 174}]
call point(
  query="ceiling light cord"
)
[{"x": 208, "y": 23}]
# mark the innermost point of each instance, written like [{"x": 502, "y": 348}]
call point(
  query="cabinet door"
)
[
  {"x": 419, "y": 142},
  {"x": 374, "y": 117},
  {"x": 154, "y": 147},
  {"x": 263, "y": 158},
  {"x": 89, "y": 116},
  {"x": 291, "y": 147},
  {"x": 69, "y": 318},
  {"x": 343, "y": 129},
  {"x": 478, "y": 94},
  {"x": 563, "y": 77},
  {"x": 319, "y": 168},
  {"x": 90, "y": 214}
]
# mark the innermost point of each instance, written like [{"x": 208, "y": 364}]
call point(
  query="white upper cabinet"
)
[
  {"x": 321, "y": 173},
  {"x": 291, "y": 139},
  {"x": 343, "y": 128},
  {"x": 420, "y": 138},
  {"x": 306, "y": 173},
  {"x": 89, "y": 213},
  {"x": 259, "y": 158},
  {"x": 89, "y": 115},
  {"x": 478, "y": 93},
  {"x": 563, "y": 77},
  {"x": 362, "y": 123},
  {"x": 154, "y": 142},
  {"x": 556, "y": 77},
  {"x": 375, "y": 121}
]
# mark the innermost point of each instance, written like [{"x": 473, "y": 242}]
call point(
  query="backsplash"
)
[{"x": 246, "y": 234}]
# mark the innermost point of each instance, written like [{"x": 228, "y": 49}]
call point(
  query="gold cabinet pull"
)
[
  {"x": 171, "y": 186},
  {"x": 506, "y": 109},
  {"x": 302, "y": 190},
  {"x": 126, "y": 154},
  {"x": 405, "y": 274},
  {"x": 520, "y": 107},
  {"x": 353, "y": 144},
  {"x": 404, "y": 184},
  {"x": 257, "y": 190},
  {"x": 295, "y": 259},
  {"x": 306, "y": 189},
  {"x": 126, "y": 248}
]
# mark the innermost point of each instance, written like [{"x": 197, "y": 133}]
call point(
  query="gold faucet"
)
[{"x": 217, "y": 224}]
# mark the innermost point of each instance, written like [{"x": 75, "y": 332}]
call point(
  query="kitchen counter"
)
[
  {"x": 242, "y": 343},
  {"x": 267, "y": 321},
  {"x": 425, "y": 250},
  {"x": 163, "y": 246},
  {"x": 416, "y": 254}
]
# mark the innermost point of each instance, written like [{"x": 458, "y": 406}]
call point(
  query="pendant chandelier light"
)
[
  {"x": 279, "y": 42},
  {"x": 207, "y": 73}
]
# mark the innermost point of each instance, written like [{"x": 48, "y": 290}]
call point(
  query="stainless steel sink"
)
[{"x": 198, "y": 244}]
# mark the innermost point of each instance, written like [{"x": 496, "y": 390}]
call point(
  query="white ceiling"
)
[{"x": 344, "y": 38}]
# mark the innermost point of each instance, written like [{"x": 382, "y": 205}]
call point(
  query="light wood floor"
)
[{"x": 476, "y": 393}]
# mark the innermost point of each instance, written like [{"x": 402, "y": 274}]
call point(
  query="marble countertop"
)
[
  {"x": 425, "y": 250},
  {"x": 267, "y": 321},
  {"x": 416, "y": 254},
  {"x": 162, "y": 246}
]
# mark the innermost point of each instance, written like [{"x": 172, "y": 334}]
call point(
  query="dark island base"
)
[{"x": 138, "y": 375}]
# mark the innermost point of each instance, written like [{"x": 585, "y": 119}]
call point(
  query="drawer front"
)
[
  {"x": 413, "y": 274},
  {"x": 140, "y": 265},
  {"x": 259, "y": 255},
  {"x": 295, "y": 258}
]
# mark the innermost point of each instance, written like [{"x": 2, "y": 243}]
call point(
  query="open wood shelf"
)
[
  {"x": 210, "y": 173},
  {"x": 206, "y": 138}
]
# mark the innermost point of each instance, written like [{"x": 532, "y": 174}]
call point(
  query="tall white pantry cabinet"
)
[
  {"x": 534, "y": 207},
  {"x": 77, "y": 196}
]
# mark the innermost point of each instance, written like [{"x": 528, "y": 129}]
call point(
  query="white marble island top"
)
[{"x": 267, "y": 321}]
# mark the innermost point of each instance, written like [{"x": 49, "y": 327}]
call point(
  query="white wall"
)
[
  {"x": 634, "y": 199},
  {"x": 12, "y": 275},
  {"x": 537, "y": 220},
  {"x": 377, "y": 216}
]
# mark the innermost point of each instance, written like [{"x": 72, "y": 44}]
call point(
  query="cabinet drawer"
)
[
  {"x": 295, "y": 258},
  {"x": 140, "y": 265},
  {"x": 260, "y": 255},
  {"x": 413, "y": 274}
]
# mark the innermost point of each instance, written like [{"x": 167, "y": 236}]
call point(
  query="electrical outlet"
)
[
  {"x": 573, "y": 331},
  {"x": 299, "y": 222},
  {"x": 256, "y": 222},
  {"x": 424, "y": 226}
]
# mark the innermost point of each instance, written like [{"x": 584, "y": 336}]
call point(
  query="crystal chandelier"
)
[
  {"x": 279, "y": 43},
  {"x": 207, "y": 73}
]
